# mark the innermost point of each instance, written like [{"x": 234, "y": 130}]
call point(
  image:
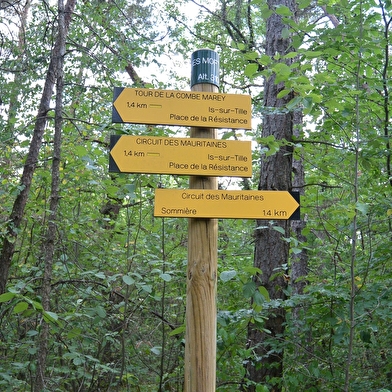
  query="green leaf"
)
[
  {"x": 261, "y": 388},
  {"x": 101, "y": 312},
  {"x": 279, "y": 229},
  {"x": 264, "y": 292},
  {"x": 147, "y": 288},
  {"x": 63, "y": 257},
  {"x": 362, "y": 207},
  {"x": 20, "y": 307},
  {"x": 283, "y": 10},
  {"x": 252, "y": 270},
  {"x": 157, "y": 350},
  {"x": 7, "y": 296},
  {"x": 294, "y": 102},
  {"x": 32, "y": 350},
  {"x": 131, "y": 190},
  {"x": 238, "y": 45},
  {"x": 282, "y": 69},
  {"x": 312, "y": 53},
  {"x": 128, "y": 280},
  {"x": 228, "y": 135},
  {"x": 251, "y": 55},
  {"x": 225, "y": 276},
  {"x": 303, "y": 4},
  {"x": 258, "y": 299},
  {"x": 249, "y": 289},
  {"x": 177, "y": 331},
  {"x": 80, "y": 151},
  {"x": 74, "y": 333},
  {"x": 100, "y": 275},
  {"x": 365, "y": 336},
  {"x": 37, "y": 305},
  {"x": 291, "y": 55},
  {"x": 264, "y": 59},
  {"x": 283, "y": 93},
  {"x": 285, "y": 33},
  {"x": 166, "y": 277},
  {"x": 251, "y": 69},
  {"x": 77, "y": 361},
  {"x": 50, "y": 317},
  {"x": 296, "y": 251},
  {"x": 317, "y": 98},
  {"x": 273, "y": 148}
]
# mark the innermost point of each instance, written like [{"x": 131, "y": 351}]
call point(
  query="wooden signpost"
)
[
  {"x": 203, "y": 203},
  {"x": 195, "y": 108},
  {"x": 203, "y": 157},
  {"x": 202, "y": 267},
  {"x": 181, "y": 156}
]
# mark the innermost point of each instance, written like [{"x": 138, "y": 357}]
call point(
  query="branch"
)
[
  {"x": 337, "y": 146},
  {"x": 136, "y": 79},
  {"x": 322, "y": 185},
  {"x": 331, "y": 17},
  {"x": 171, "y": 326}
]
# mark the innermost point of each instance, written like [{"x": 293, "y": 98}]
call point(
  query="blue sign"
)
[{"x": 205, "y": 67}]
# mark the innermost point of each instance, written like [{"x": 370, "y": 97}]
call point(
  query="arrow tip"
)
[
  {"x": 296, "y": 215},
  {"x": 113, "y": 168},
  {"x": 116, "y": 118}
]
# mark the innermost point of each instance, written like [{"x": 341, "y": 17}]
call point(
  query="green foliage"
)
[{"x": 118, "y": 292}]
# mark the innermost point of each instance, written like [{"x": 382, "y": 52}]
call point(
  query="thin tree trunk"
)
[
  {"x": 19, "y": 78},
  {"x": 271, "y": 252},
  {"x": 19, "y": 205},
  {"x": 50, "y": 238},
  {"x": 299, "y": 261}
]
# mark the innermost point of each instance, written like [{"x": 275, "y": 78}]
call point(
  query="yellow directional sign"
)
[
  {"x": 182, "y": 156},
  {"x": 184, "y": 108},
  {"x": 203, "y": 203}
]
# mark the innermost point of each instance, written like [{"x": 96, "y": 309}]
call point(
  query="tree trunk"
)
[
  {"x": 50, "y": 237},
  {"x": 272, "y": 253},
  {"x": 16, "y": 215},
  {"x": 8, "y": 135},
  {"x": 299, "y": 261}
]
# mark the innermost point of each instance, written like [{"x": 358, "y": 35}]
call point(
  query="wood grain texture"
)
[{"x": 200, "y": 347}]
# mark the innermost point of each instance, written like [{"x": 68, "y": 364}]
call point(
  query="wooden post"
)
[{"x": 200, "y": 347}]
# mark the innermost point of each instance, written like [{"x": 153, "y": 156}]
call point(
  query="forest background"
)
[{"x": 93, "y": 286}]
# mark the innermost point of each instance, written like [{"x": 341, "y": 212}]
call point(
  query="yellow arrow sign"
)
[
  {"x": 203, "y": 203},
  {"x": 182, "y": 156},
  {"x": 184, "y": 108}
]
